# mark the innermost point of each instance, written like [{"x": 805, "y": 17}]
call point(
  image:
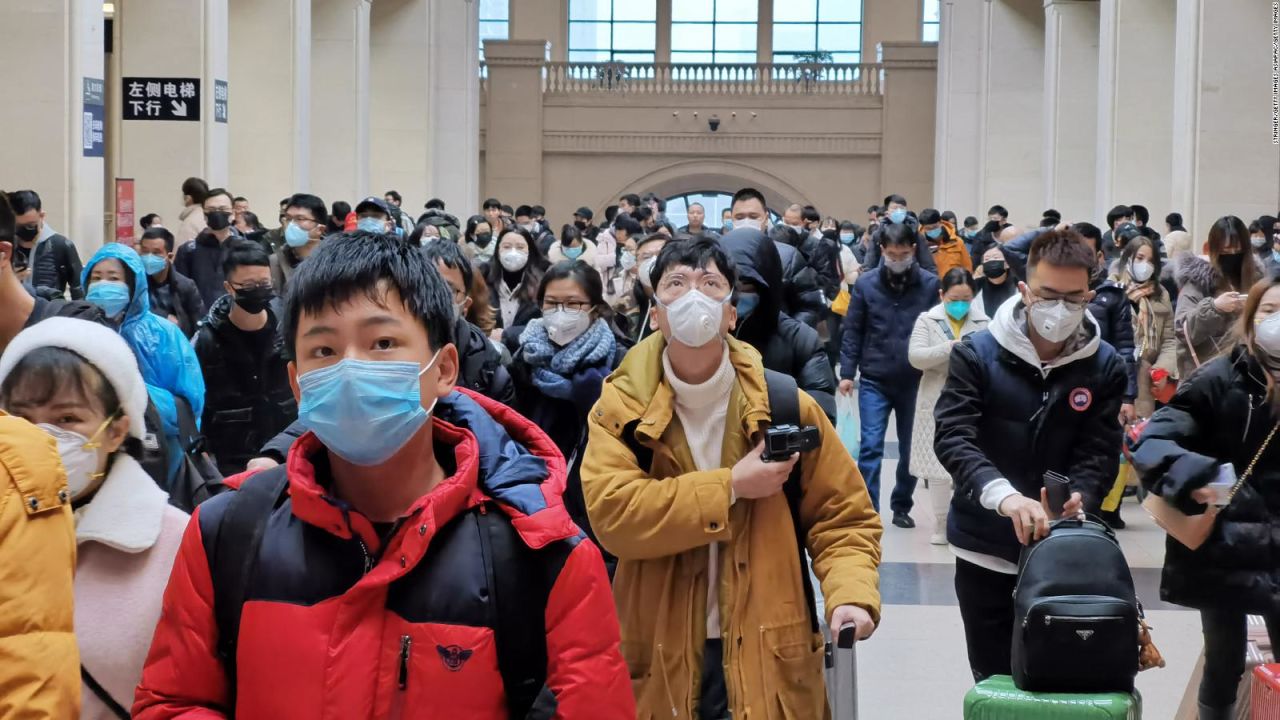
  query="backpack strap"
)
[
  {"x": 235, "y": 557},
  {"x": 521, "y": 580},
  {"x": 784, "y": 409},
  {"x": 101, "y": 693}
]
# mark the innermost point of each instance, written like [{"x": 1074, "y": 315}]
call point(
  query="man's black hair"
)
[
  {"x": 699, "y": 254},
  {"x": 159, "y": 232},
  {"x": 1174, "y": 221},
  {"x": 239, "y": 198},
  {"x": 393, "y": 195},
  {"x": 452, "y": 256},
  {"x": 434, "y": 204},
  {"x": 929, "y": 216},
  {"x": 874, "y": 209},
  {"x": 998, "y": 210},
  {"x": 215, "y": 192},
  {"x": 1141, "y": 213},
  {"x": 1052, "y": 214},
  {"x": 1048, "y": 222},
  {"x": 147, "y": 220},
  {"x": 631, "y": 199},
  {"x": 970, "y": 221},
  {"x": 243, "y": 253},
  {"x": 749, "y": 193},
  {"x": 849, "y": 225},
  {"x": 891, "y": 199},
  {"x": 662, "y": 204},
  {"x": 524, "y": 211},
  {"x": 538, "y": 211},
  {"x": 810, "y": 214},
  {"x": 24, "y": 201},
  {"x": 314, "y": 205},
  {"x": 1117, "y": 212},
  {"x": 506, "y": 210},
  {"x": 610, "y": 213},
  {"x": 949, "y": 216},
  {"x": 492, "y": 203},
  {"x": 371, "y": 264},
  {"x": 642, "y": 214},
  {"x": 629, "y": 224},
  {"x": 898, "y": 234},
  {"x": 1091, "y": 233}
]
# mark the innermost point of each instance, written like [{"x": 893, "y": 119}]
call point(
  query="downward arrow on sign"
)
[{"x": 179, "y": 107}]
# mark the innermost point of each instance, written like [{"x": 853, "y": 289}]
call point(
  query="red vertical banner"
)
[{"x": 124, "y": 211}]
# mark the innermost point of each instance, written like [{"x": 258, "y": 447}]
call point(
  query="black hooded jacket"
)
[{"x": 786, "y": 345}]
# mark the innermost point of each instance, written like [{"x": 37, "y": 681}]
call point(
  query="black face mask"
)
[
  {"x": 483, "y": 239},
  {"x": 218, "y": 220},
  {"x": 254, "y": 300},
  {"x": 27, "y": 233},
  {"x": 994, "y": 268},
  {"x": 582, "y": 224},
  {"x": 1231, "y": 265}
]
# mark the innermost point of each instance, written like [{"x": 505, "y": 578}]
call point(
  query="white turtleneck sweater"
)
[{"x": 702, "y": 409}]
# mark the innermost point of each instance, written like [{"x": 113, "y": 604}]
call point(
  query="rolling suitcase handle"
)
[{"x": 842, "y": 675}]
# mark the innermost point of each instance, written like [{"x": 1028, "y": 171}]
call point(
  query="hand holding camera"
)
[{"x": 753, "y": 477}]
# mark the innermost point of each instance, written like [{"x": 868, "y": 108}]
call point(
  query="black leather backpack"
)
[{"x": 1075, "y": 613}]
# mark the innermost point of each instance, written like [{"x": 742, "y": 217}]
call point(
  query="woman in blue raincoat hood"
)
[{"x": 165, "y": 357}]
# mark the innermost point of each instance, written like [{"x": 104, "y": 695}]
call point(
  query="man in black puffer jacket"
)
[
  {"x": 787, "y": 345},
  {"x": 53, "y": 261},
  {"x": 1037, "y": 391}
]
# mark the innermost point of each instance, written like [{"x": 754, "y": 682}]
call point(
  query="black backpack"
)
[
  {"x": 1075, "y": 613},
  {"x": 784, "y": 409},
  {"x": 521, "y": 580}
]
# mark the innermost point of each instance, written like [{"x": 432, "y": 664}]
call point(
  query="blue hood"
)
[
  {"x": 509, "y": 473},
  {"x": 141, "y": 301}
]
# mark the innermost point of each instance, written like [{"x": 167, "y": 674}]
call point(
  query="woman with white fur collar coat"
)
[{"x": 79, "y": 382}]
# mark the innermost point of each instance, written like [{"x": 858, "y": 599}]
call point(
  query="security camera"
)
[{"x": 714, "y": 123}]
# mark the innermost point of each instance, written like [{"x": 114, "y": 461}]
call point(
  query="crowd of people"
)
[{"x": 585, "y": 471}]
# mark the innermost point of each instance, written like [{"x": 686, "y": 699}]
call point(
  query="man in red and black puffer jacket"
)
[{"x": 413, "y": 558}]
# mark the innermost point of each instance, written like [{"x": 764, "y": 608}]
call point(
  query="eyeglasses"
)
[
  {"x": 1073, "y": 302},
  {"x": 299, "y": 220},
  {"x": 573, "y": 306},
  {"x": 674, "y": 286}
]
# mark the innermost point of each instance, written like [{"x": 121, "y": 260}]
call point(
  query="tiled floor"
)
[{"x": 915, "y": 666}]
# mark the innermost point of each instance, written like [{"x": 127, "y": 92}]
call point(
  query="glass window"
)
[
  {"x": 722, "y": 30},
  {"x": 613, "y": 30},
  {"x": 817, "y": 31},
  {"x": 713, "y": 202},
  {"x": 495, "y": 21},
  {"x": 929, "y": 28}
]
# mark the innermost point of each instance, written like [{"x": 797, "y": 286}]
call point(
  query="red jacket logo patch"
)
[
  {"x": 454, "y": 656},
  {"x": 1080, "y": 399}
]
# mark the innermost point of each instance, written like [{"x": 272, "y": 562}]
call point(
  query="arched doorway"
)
[{"x": 715, "y": 202}]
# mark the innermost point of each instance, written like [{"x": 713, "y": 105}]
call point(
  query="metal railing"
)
[{"x": 701, "y": 79}]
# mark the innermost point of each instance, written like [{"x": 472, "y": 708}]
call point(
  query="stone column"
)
[
  {"x": 1070, "y": 107},
  {"x": 453, "y": 99},
  {"x": 910, "y": 106},
  {"x": 269, "y": 115},
  {"x": 513, "y": 136},
  {"x": 171, "y": 41},
  {"x": 401, "y": 64},
  {"x": 764, "y": 31},
  {"x": 340, "y": 95},
  {"x": 546, "y": 20},
  {"x": 889, "y": 21},
  {"x": 1135, "y": 107},
  {"x": 1226, "y": 160},
  {"x": 55, "y": 52},
  {"x": 957, "y": 161},
  {"x": 1011, "y": 100}
]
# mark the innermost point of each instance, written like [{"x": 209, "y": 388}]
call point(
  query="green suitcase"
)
[{"x": 997, "y": 698}]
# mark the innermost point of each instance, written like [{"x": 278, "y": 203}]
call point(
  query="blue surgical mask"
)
[
  {"x": 957, "y": 309},
  {"x": 110, "y": 295},
  {"x": 728, "y": 224},
  {"x": 747, "y": 304},
  {"x": 364, "y": 410},
  {"x": 1275, "y": 255},
  {"x": 934, "y": 233},
  {"x": 296, "y": 237},
  {"x": 371, "y": 225},
  {"x": 154, "y": 264},
  {"x": 846, "y": 238},
  {"x": 897, "y": 216},
  {"x": 573, "y": 253}
]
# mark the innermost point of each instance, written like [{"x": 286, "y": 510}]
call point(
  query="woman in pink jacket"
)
[{"x": 79, "y": 382}]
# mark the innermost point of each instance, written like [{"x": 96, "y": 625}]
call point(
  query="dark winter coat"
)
[
  {"x": 1197, "y": 323},
  {"x": 201, "y": 260},
  {"x": 177, "y": 296},
  {"x": 1111, "y": 308},
  {"x": 1219, "y": 415},
  {"x": 55, "y": 264},
  {"x": 248, "y": 399},
  {"x": 1001, "y": 415},
  {"x": 877, "y": 328},
  {"x": 481, "y": 370},
  {"x": 786, "y": 345}
]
